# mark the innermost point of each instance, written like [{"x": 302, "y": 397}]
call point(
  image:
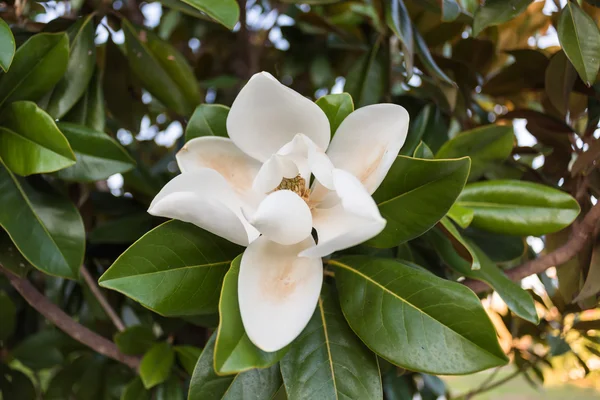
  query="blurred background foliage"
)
[{"x": 138, "y": 71}]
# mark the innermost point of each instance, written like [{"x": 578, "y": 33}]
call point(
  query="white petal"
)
[
  {"x": 352, "y": 221},
  {"x": 266, "y": 115},
  {"x": 221, "y": 155},
  {"x": 278, "y": 292},
  {"x": 309, "y": 158},
  {"x": 204, "y": 198},
  {"x": 283, "y": 217},
  {"x": 272, "y": 173},
  {"x": 368, "y": 141}
]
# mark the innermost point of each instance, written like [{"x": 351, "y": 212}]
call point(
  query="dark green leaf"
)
[
  {"x": 423, "y": 151},
  {"x": 18, "y": 385},
  {"x": 188, "y": 357},
  {"x": 365, "y": 80},
  {"x": 40, "y": 350},
  {"x": 518, "y": 207},
  {"x": 89, "y": 110},
  {"x": 207, "y": 120},
  {"x": 559, "y": 80},
  {"x": 135, "y": 390},
  {"x": 397, "y": 386},
  {"x": 8, "y": 313},
  {"x": 462, "y": 247},
  {"x": 205, "y": 383},
  {"x": 416, "y": 130},
  {"x": 262, "y": 383},
  {"x": 486, "y": 145},
  {"x": 591, "y": 286},
  {"x": 580, "y": 39},
  {"x": 337, "y": 107},
  {"x": 170, "y": 390},
  {"x": 327, "y": 361},
  {"x": 135, "y": 340},
  {"x": 30, "y": 141},
  {"x": 495, "y": 12},
  {"x": 499, "y": 248},
  {"x": 398, "y": 20},
  {"x": 10, "y": 257},
  {"x": 7, "y": 46},
  {"x": 125, "y": 229},
  {"x": 156, "y": 365},
  {"x": 46, "y": 228},
  {"x": 558, "y": 345},
  {"x": 37, "y": 66},
  {"x": 412, "y": 318},
  {"x": 82, "y": 59},
  {"x": 184, "y": 265},
  {"x": 226, "y": 12},
  {"x": 98, "y": 155},
  {"x": 234, "y": 352},
  {"x": 429, "y": 186},
  {"x": 428, "y": 61}
]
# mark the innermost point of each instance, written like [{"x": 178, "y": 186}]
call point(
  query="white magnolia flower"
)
[{"x": 253, "y": 189}]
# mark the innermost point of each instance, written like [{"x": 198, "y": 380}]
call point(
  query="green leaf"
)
[
  {"x": 7, "y": 46},
  {"x": 46, "y": 228},
  {"x": 415, "y": 195},
  {"x": 183, "y": 264},
  {"x": 485, "y": 145},
  {"x": 30, "y": 141},
  {"x": 135, "y": 390},
  {"x": 427, "y": 59},
  {"x": 40, "y": 350},
  {"x": 234, "y": 352},
  {"x": 366, "y": 79},
  {"x": 337, "y": 107},
  {"x": 80, "y": 68},
  {"x": 423, "y": 151},
  {"x": 580, "y": 39},
  {"x": 416, "y": 131},
  {"x": 126, "y": 229},
  {"x": 518, "y": 208},
  {"x": 205, "y": 383},
  {"x": 226, "y": 12},
  {"x": 559, "y": 80},
  {"x": 15, "y": 384},
  {"x": 499, "y": 248},
  {"x": 591, "y": 286},
  {"x": 396, "y": 386},
  {"x": 449, "y": 9},
  {"x": 398, "y": 20},
  {"x": 207, "y": 120},
  {"x": 89, "y": 110},
  {"x": 8, "y": 314},
  {"x": 327, "y": 361},
  {"x": 188, "y": 357},
  {"x": 170, "y": 390},
  {"x": 463, "y": 248},
  {"x": 164, "y": 72},
  {"x": 134, "y": 340},
  {"x": 461, "y": 215},
  {"x": 37, "y": 66},
  {"x": 10, "y": 258},
  {"x": 496, "y": 12},
  {"x": 98, "y": 155},
  {"x": 414, "y": 319},
  {"x": 156, "y": 365}
]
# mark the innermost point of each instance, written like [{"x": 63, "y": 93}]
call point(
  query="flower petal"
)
[
  {"x": 272, "y": 173},
  {"x": 352, "y": 221},
  {"x": 266, "y": 115},
  {"x": 368, "y": 141},
  {"x": 283, "y": 217},
  {"x": 221, "y": 155},
  {"x": 204, "y": 198},
  {"x": 278, "y": 291}
]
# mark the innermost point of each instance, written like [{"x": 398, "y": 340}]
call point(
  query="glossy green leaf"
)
[
  {"x": 46, "y": 228},
  {"x": 156, "y": 364},
  {"x": 580, "y": 39},
  {"x": 461, "y": 246},
  {"x": 449, "y": 9},
  {"x": 499, "y": 248},
  {"x": 98, "y": 155},
  {"x": 207, "y": 120},
  {"x": 170, "y": 390},
  {"x": 89, "y": 110},
  {"x": 7, "y": 46},
  {"x": 188, "y": 357},
  {"x": 518, "y": 207},
  {"x": 126, "y": 229},
  {"x": 8, "y": 315},
  {"x": 327, "y": 361},
  {"x": 486, "y": 146},
  {"x": 416, "y": 130},
  {"x": 40, "y": 350},
  {"x": 461, "y": 215},
  {"x": 234, "y": 352},
  {"x": 559, "y": 79},
  {"x": 429, "y": 186},
  {"x": 262, "y": 383},
  {"x": 184, "y": 265},
  {"x": 226, "y": 12},
  {"x": 37, "y": 66},
  {"x": 135, "y": 390},
  {"x": 423, "y": 151},
  {"x": 135, "y": 340},
  {"x": 427, "y": 59},
  {"x": 398, "y": 20},
  {"x": 164, "y": 72},
  {"x": 30, "y": 141},
  {"x": 397, "y": 386},
  {"x": 495, "y": 12},
  {"x": 337, "y": 107},
  {"x": 80, "y": 68},
  {"x": 411, "y": 317},
  {"x": 11, "y": 258},
  {"x": 365, "y": 80},
  {"x": 205, "y": 383}
]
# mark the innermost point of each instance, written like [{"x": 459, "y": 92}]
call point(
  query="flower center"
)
[{"x": 296, "y": 185}]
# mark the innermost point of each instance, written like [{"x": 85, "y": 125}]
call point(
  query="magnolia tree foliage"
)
[{"x": 278, "y": 199}]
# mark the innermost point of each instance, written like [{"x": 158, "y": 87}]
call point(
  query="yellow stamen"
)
[{"x": 296, "y": 185}]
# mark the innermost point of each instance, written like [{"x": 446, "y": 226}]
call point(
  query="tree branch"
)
[
  {"x": 91, "y": 282},
  {"x": 581, "y": 233},
  {"x": 64, "y": 322}
]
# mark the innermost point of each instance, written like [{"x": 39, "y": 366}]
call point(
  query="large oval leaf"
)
[
  {"x": 207, "y": 120},
  {"x": 156, "y": 364},
  {"x": 183, "y": 264},
  {"x": 415, "y": 195},
  {"x": 37, "y": 66},
  {"x": 7, "y": 46},
  {"x": 30, "y": 141},
  {"x": 411, "y": 317},
  {"x": 337, "y": 107},
  {"x": 82, "y": 59},
  {"x": 338, "y": 363},
  {"x": 89, "y": 110},
  {"x": 226, "y": 12},
  {"x": 98, "y": 155},
  {"x": 580, "y": 39},
  {"x": 234, "y": 352},
  {"x": 46, "y": 228},
  {"x": 518, "y": 208}
]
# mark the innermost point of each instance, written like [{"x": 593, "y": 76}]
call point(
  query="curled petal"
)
[
  {"x": 272, "y": 173},
  {"x": 278, "y": 292}
]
